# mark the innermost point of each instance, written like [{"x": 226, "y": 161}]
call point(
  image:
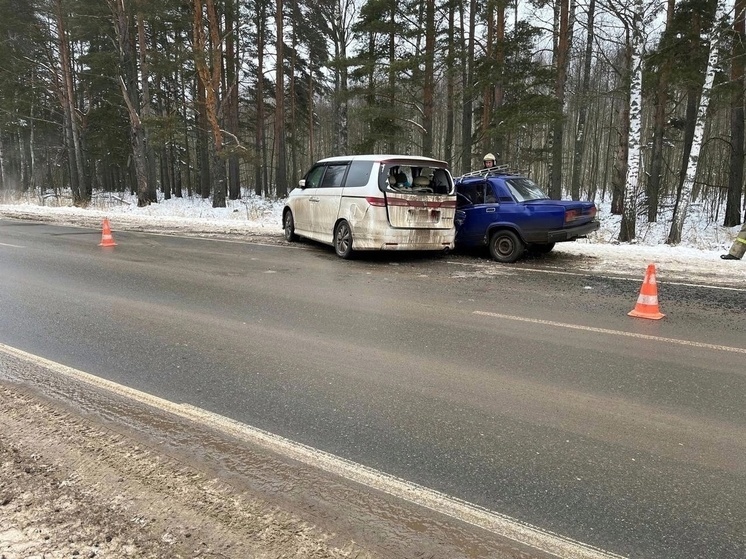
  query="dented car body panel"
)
[{"x": 386, "y": 202}]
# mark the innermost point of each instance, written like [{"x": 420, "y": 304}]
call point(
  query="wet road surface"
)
[{"x": 522, "y": 391}]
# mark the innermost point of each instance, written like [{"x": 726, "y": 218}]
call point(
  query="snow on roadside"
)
[{"x": 697, "y": 258}]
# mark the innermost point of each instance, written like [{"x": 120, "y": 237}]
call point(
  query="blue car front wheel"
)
[{"x": 505, "y": 246}]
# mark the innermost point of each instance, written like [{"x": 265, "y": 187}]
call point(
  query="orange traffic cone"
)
[
  {"x": 647, "y": 302},
  {"x": 106, "y": 239}
]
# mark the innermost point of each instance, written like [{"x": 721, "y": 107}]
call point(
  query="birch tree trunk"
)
[
  {"x": 627, "y": 231},
  {"x": 682, "y": 208}
]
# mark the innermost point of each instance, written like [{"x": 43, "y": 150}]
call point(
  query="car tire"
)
[
  {"x": 288, "y": 224},
  {"x": 343, "y": 240},
  {"x": 505, "y": 246},
  {"x": 541, "y": 248}
]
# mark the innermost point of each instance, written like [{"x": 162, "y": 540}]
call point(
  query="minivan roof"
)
[{"x": 383, "y": 158}]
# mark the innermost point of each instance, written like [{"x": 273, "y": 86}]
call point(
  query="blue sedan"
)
[{"x": 510, "y": 214}]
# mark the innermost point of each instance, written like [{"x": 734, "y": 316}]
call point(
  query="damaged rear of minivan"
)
[{"x": 374, "y": 202}]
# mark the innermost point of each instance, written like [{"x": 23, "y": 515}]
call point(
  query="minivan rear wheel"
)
[
  {"x": 343, "y": 240},
  {"x": 505, "y": 246},
  {"x": 288, "y": 224}
]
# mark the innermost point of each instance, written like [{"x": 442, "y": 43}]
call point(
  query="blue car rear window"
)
[{"x": 525, "y": 190}]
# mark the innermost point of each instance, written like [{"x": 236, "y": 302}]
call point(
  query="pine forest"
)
[{"x": 639, "y": 103}]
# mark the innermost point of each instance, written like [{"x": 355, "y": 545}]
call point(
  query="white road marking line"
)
[
  {"x": 12, "y": 246},
  {"x": 612, "y": 332},
  {"x": 491, "y": 521}
]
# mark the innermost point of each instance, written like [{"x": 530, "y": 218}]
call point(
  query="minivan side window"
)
[
  {"x": 334, "y": 175},
  {"x": 359, "y": 173},
  {"x": 313, "y": 178}
]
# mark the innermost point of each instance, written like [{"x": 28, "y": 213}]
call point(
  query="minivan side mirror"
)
[{"x": 302, "y": 183}]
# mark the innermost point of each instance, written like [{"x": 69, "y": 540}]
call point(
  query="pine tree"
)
[
  {"x": 682, "y": 205},
  {"x": 18, "y": 109}
]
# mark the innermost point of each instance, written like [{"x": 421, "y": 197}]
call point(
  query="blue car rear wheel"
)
[{"x": 505, "y": 246}]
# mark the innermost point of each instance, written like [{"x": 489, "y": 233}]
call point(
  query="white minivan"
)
[{"x": 374, "y": 202}]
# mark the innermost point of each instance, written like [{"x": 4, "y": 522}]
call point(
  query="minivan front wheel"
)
[
  {"x": 288, "y": 225},
  {"x": 505, "y": 246},
  {"x": 343, "y": 240}
]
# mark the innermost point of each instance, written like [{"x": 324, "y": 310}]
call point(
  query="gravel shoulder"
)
[
  {"x": 73, "y": 488},
  {"x": 84, "y": 473}
]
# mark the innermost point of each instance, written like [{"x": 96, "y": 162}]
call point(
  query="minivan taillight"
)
[{"x": 375, "y": 201}]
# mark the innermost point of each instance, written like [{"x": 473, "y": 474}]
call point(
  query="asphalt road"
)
[{"x": 525, "y": 391}]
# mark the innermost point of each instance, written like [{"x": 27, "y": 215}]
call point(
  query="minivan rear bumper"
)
[
  {"x": 418, "y": 239},
  {"x": 405, "y": 239}
]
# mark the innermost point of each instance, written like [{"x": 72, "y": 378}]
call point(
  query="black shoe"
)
[{"x": 729, "y": 257}]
